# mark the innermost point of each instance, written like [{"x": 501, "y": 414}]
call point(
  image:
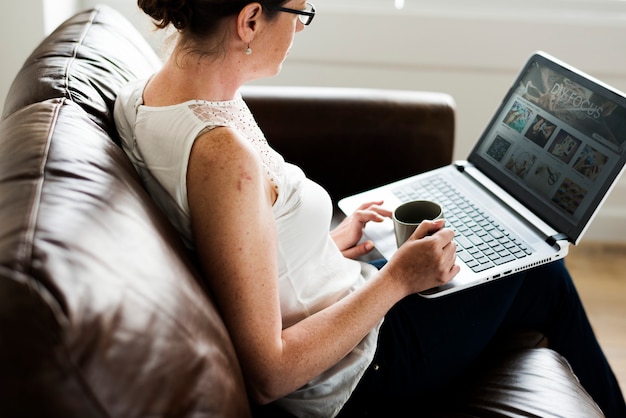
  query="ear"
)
[{"x": 248, "y": 21}]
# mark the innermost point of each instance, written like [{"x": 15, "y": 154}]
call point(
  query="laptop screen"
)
[{"x": 557, "y": 143}]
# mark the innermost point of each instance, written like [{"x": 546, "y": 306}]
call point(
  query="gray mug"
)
[{"x": 408, "y": 216}]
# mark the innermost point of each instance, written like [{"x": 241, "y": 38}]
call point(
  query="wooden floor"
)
[{"x": 599, "y": 271}]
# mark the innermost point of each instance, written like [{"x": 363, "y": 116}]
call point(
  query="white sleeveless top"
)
[{"x": 313, "y": 273}]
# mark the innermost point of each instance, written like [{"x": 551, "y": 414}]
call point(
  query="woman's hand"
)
[
  {"x": 350, "y": 231},
  {"x": 426, "y": 260}
]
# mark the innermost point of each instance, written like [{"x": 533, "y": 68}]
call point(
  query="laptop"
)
[{"x": 532, "y": 183}]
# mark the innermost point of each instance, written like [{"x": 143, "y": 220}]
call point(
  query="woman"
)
[{"x": 305, "y": 318}]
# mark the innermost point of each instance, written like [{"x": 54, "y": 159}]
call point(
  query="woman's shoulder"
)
[
  {"x": 226, "y": 145},
  {"x": 223, "y": 161}
]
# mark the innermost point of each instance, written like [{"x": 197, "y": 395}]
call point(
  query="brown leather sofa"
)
[{"x": 103, "y": 313}]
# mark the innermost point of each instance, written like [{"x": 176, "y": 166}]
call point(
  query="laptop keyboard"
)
[{"x": 481, "y": 242}]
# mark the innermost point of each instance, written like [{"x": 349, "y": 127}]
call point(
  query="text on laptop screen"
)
[{"x": 556, "y": 143}]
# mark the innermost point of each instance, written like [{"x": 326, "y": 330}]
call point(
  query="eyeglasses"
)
[{"x": 306, "y": 16}]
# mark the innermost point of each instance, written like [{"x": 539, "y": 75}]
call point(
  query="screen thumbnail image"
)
[
  {"x": 520, "y": 162},
  {"x": 540, "y": 131},
  {"x": 569, "y": 196},
  {"x": 543, "y": 178},
  {"x": 517, "y": 117},
  {"x": 564, "y": 146},
  {"x": 498, "y": 148},
  {"x": 590, "y": 162}
]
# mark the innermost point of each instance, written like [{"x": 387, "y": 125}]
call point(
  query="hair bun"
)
[{"x": 165, "y": 12}]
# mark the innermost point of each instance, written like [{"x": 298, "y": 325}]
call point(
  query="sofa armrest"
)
[
  {"x": 525, "y": 383},
  {"x": 352, "y": 139}
]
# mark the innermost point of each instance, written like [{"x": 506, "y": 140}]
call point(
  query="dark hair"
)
[
  {"x": 195, "y": 17},
  {"x": 197, "y": 20}
]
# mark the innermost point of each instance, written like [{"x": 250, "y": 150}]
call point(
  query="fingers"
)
[
  {"x": 443, "y": 244},
  {"x": 445, "y": 262},
  {"x": 365, "y": 216},
  {"x": 450, "y": 253},
  {"x": 366, "y": 205},
  {"x": 373, "y": 214},
  {"x": 429, "y": 228},
  {"x": 358, "y": 250},
  {"x": 449, "y": 256},
  {"x": 427, "y": 262},
  {"x": 375, "y": 207}
]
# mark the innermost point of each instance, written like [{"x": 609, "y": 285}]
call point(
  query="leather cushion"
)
[
  {"x": 534, "y": 382},
  {"x": 101, "y": 313},
  {"x": 86, "y": 60}
]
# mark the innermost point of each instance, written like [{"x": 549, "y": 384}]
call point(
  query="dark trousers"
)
[{"x": 425, "y": 344}]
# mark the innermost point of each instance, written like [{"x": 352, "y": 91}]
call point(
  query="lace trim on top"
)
[{"x": 236, "y": 114}]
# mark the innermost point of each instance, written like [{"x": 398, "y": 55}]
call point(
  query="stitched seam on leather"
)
[
  {"x": 78, "y": 374},
  {"x": 80, "y": 43},
  {"x": 26, "y": 252}
]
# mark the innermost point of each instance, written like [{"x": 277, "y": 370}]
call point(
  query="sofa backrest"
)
[
  {"x": 354, "y": 139},
  {"x": 102, "y": 314},
  {"x": 86, "y": 60}
]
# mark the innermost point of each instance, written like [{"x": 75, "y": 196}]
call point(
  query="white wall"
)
[
  {"x": 472, "y": 55},
  {"x": 25, "y": 24},
  {"x": 440, "y": 45},
  {"x": 20, "y": 33}
]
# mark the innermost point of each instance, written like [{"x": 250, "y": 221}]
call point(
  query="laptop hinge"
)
[{"x": 551, "y": 240}]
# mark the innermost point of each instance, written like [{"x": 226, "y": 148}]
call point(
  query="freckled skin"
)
[
  {"x": 245, "y": 176},
  {"x": 231, "y": 200}
]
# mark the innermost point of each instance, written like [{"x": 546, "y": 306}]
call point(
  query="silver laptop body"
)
[{"x": 533, "y": 182}]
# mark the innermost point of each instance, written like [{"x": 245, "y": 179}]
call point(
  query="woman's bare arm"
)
[{"x": 231, "y": 199}]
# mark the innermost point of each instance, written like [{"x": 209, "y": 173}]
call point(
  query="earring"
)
[{"x": 249, "y": 50}]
